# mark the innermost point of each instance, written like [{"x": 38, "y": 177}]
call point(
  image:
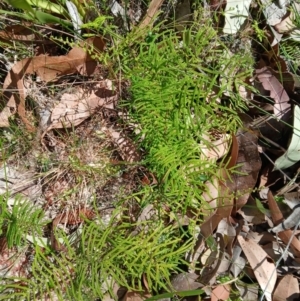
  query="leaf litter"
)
[{"x": 238, "y": 227}]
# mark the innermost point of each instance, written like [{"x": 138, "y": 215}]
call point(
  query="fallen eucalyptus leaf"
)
[
  {"x": 263, "y": 268},
  {"x": 292, "y": 155}
]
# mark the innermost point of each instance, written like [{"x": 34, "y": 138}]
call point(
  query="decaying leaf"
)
[
  {"x": 292, "y": 155},
  {"x": 47, "y": 68},
  {"x": 263, "y": 267},
  {"x": 277, "y": 92},
  {"x": 287, "y": 289}
]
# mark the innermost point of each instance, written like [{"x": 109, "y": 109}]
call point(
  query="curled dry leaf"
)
[
  {"x": 263, "y": 267},
  {"x": 47, "y": 68},
  {"x": 287, "y": 289},
  {"x": 285, "y": 235}
]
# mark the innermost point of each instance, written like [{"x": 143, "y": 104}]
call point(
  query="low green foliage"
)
[{"x": 177, "y": 88}]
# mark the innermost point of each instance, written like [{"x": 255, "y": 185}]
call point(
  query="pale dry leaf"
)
[
  {"x": 292, "y": 155},
  {"x": 148, "y": 213},
  {"x": 212, "y": 192},
  {"x": 277, "y": 91},
  {"x": 287, "y": 289},
  {"x": 236, "y": 14},
  {"x": 292, "y": 199},
  {"x": 263, "y": 267},
  {"x": 80, "y": 103},
  {"x": 238, "y": 261},
  {"x": 224, "y": 202},
  {"x": 215, "y": 149},
  {"x": 273, "y": 13}
]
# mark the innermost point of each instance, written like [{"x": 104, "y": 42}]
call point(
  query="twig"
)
[{"x": 152, "y": 10}]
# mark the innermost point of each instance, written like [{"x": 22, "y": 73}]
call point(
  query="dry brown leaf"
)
[
  {"x": 135, "y": 296},
  {"x": 263, "y": 267},
  {"x": 277, "y": 218},
  {"x": 287, "y": 289},
  {"x": 18, "y": 32},
  {"x": 80, "y": 103},
  {"x": 277, "y": 92},
  {"x": 47, "y": 68},
  {"x": 185, "y": 282},
  {"x": 241, "y": 184},
  {"x": 221, "y": 292}
]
